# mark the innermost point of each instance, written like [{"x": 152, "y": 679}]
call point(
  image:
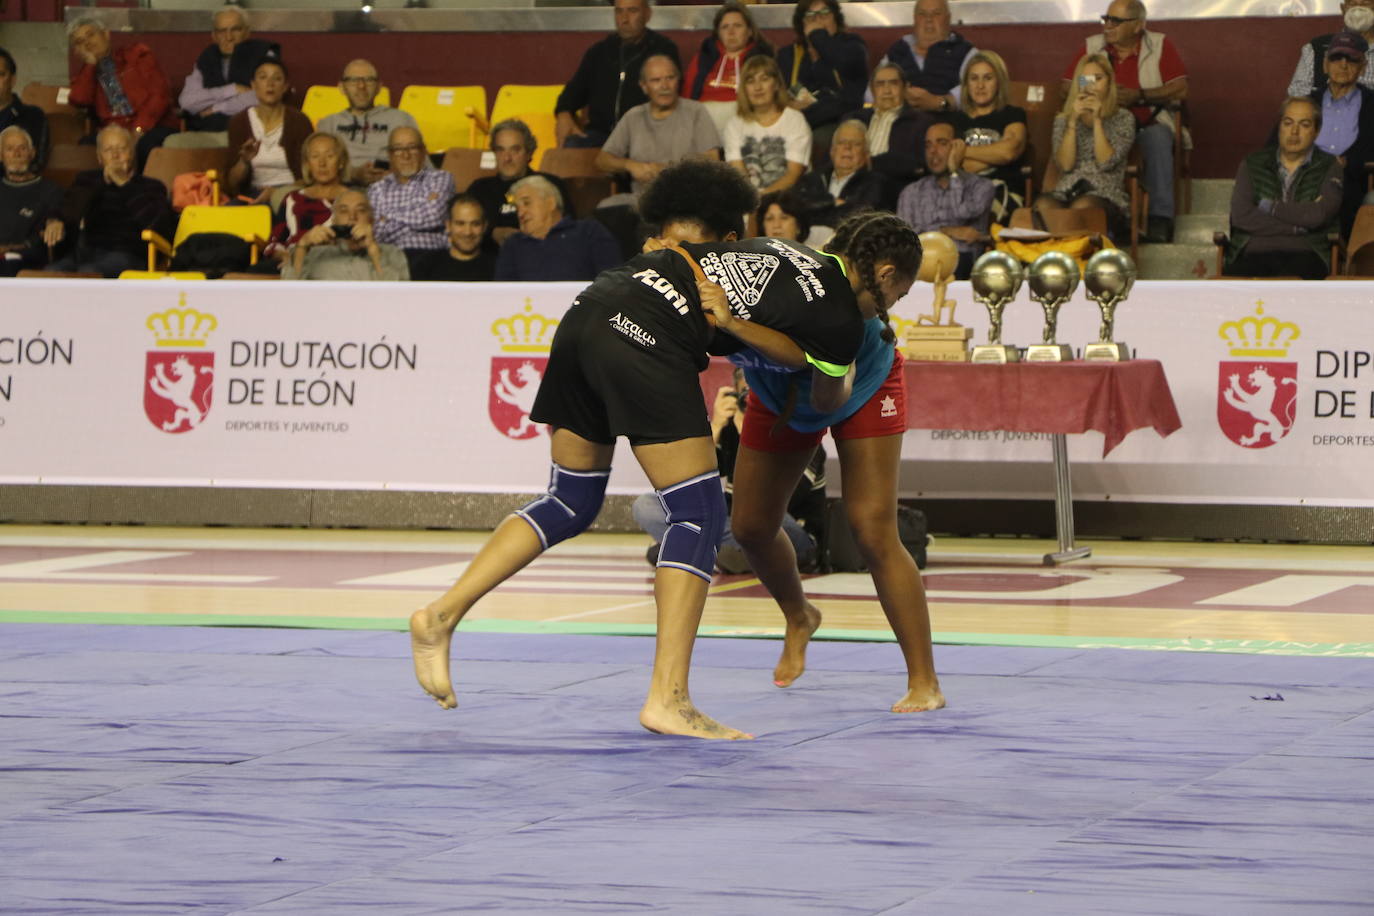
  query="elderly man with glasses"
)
[
  {"x": 410, "y": 205},
  {"x": 365, "y": 126},
  {"x": 1149, "y": 75},
  {"x": 221, "y": 83}
]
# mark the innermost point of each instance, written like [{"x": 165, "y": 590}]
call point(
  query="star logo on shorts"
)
[{"x": 889, "y": 406}]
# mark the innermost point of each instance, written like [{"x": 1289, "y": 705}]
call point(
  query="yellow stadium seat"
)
[
  {"x": 448, "y": 116},
  {"x": 252, "y": 224},
  {"x": 327, "y": 100},
  {"x": 161, "y": 275},
  {"x": 534, "y": 105}
]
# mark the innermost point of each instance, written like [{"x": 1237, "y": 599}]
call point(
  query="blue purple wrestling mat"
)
[{"x": 204, "y": 770}]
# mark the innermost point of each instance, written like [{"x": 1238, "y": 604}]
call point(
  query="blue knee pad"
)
[
  {"x": 696, "y": 520},
  {"x": 569, "y": 507}
]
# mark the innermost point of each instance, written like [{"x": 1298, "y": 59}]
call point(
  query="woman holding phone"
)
[{"x": 1092, "y": 138}]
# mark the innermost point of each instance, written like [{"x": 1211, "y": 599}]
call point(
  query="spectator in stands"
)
[
  {"x": 471, "y": 254},
  {"x": 269, "y": 137},
  {"x": 1149, "y": 74},
  {"x": 1286, "y": 201},
  {"x": 993, "y": 131},
  {"x": 848, "y": 186},
  {"x": 712, "y": 76},
  {"x": 768, "y": 140},
  {"x": 345, "y": 247},
  {"x": 1092, "y": 138},
  {"x": 782, "y": 215},
  {"x": 30, "y": 205},
  {"x": 932, "y": 57},
  {"x": 106, "y": 210},
  {"x": 1309, "y": 76},
  {"x": 949, "y": 200},
  {"x": 896, "y": 131},
  {"x": 125, "y": 87},
  {"x": 514, "y": 144},
  {"x": 549, "y": 245},
  {"x": 14, "y": 113},
  {"x": 608, "y": 82},
  {"x": 220, "y": 84},
  {"x": 826, "y": 68},
  {"x": 1347, "y": 129},
  {"x": 665, "y": 129},
  {"x": 364, "y": 125},
  {"x": 410, "y": 204},
  {"x": 324, "y": 164}
]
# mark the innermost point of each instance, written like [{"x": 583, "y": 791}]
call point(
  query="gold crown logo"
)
[
  {"x": 181, "y": 327},
  {"x": 530, "y": 332},
  {"x": 1259, "y": 336}
]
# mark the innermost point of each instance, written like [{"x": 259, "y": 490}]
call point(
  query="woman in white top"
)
[
  {"x": 767, "y": 140},
  {"x": 268, "y": 137}
]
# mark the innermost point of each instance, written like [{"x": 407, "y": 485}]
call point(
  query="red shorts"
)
[{"x": 884, "y": 414}]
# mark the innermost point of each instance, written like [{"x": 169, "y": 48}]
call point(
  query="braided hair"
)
[
  {"x": 865, "y": 239},
  {"x": 712, "y": 195}
]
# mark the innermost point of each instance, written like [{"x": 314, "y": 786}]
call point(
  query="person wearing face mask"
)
[{"x": 1310, "y": 75}]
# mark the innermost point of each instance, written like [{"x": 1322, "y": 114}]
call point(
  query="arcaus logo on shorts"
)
[
  {"x": 633, "y": 331},
  {"x": 177, "y": 383},
  {"x": 1257, "y": 394},
  {"x": 515, "y": 378}
]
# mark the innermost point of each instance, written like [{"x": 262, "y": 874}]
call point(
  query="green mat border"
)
[{"x": 568, "y": 627}]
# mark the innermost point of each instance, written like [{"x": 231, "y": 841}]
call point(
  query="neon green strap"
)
[{"x": 834, "y": 370}]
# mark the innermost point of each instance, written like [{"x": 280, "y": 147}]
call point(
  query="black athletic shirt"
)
[{"x": 775, "y": 283}]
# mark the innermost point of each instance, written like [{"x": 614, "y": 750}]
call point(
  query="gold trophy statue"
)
[
  {"x": 1053, "y": 279},
  {"x": 996, "y": 280},
  {"x": 1109, "y": 277},
  {"x": 929, "y": 337}
]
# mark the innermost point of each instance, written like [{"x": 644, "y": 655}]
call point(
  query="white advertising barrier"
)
[
  {"x": 428, "y": 386},
  {"x": 1274, "y": 383}
]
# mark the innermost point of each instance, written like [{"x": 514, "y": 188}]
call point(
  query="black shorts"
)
[{"x": 614, "y": 373}]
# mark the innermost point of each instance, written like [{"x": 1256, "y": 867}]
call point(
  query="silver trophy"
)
[
  {"x": 1053, "y": 279},
  {"x": 996, "y": 280},
  {"x": 1109, "y": 277}
]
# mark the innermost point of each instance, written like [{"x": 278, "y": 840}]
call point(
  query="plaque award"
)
[
  {"x": 996, "y": 280},
  {"x": 1109, "y": 276},
  {"x": 931, "y": 337},
  {"x": 1053, "y": 279}
]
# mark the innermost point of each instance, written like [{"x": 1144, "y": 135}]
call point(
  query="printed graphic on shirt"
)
[
  {"x": 664, "y": 287},
  {"x": 765, "y": 159},
  {"x": 982, "y": 136},
  {"x": 744, "y": 276},
  {"x": 632, "y": 330}
]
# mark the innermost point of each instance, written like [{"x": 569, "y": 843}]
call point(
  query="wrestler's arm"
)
[
  {"x": 772, "y": 345},
  {"x": 830, "y": 392}
]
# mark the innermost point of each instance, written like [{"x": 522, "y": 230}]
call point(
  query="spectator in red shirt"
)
[
  {"x": 125, "y": 87},
  {"x": 1149, "y": 73},
  {"x": 713, "y": 75}
]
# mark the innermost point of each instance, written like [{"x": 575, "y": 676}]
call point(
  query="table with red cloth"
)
[{"x": 1055, "y": 398}]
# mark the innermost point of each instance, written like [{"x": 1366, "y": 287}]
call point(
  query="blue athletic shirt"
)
[{"x": 770, "y": 384}]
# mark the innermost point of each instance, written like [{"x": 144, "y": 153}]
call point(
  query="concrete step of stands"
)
[
  {"x": 1177, "y": 261},
  {"x": 1212, "y": 195}
]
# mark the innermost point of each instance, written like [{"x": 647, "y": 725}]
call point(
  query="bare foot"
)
[
  {"x": 429, "y": 645},
  {"x": 920, "y": 699},
  {"x": 793, "y": 660},
  {"x": 683, "y": 718}
]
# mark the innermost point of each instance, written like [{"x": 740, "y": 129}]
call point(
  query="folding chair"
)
[
  {"x": 534, "y": 105},
  {"x": 166, "y": 164},
  {"x": 67, "y": 160},
  {"x": 587, "y": 185},
  {"x": 1359, "y": 251},
  {"x": 252, "y": 224},
  {"x": 465, "y": 165},
  {"x": 448, "y": 116},
  {"x": 321, "y": 101}
]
